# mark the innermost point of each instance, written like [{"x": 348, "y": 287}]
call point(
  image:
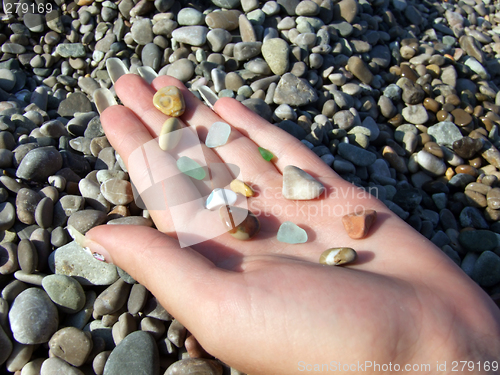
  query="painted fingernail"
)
[{"x": 93, "y": 248}]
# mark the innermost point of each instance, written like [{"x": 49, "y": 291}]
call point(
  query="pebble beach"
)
[{"x": 399, "y": 97}]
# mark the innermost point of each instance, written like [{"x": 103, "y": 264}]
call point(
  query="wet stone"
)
[
  {"x": 240, "y": 223},
  {"x": 291, "y": 233},
  {"x": 170, "y": 101},
  {"x": 357, "y": 224},
  {"x": 461, "y": 118}
]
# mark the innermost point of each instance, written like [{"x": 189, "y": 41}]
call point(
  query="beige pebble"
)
[
  {"x": 169, "y": 100},
  {"x": 170, "y": 134},
  {"x": 240, "y": 187},
  {"x": 338, "y": 256}
]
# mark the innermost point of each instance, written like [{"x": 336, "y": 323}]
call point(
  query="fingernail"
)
[{"x": 91, "y": 247}]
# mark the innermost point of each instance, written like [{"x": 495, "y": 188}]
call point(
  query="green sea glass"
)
[
  {"x": 266, "y": 154},
  {"x": 191, "y": 168}
]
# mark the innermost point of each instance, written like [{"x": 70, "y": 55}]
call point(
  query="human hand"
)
[{"x": 263, "y": 306}]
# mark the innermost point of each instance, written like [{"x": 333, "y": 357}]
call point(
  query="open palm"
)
[{"x": 266, "y": 307}]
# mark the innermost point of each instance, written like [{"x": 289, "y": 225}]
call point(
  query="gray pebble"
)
[
  {"x": 65, "y": 292},
  {"x": 33, "y": 317}
]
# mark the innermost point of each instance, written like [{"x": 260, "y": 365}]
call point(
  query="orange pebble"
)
[{"x": 357, "y": 224}]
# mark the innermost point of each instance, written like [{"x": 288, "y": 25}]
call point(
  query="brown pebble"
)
[
  {"x": 476, "y": 162},
  {"x": 357, "y": 224},
  {"x": 488, "y": 124},
  {"x": 194, "y": 349},
  {"x": 461, "y": 118},
  {"x": 396, "y": 120},
  {"x": 423, "y": 138},
  {"x": 408, "y": 72},
  {"x": 443, "y": 116},
  {"x": 478, "y": 111},
  {"x": 431, "y": 105},
  {"x": 449, "y": 173},
  {"x": 248, "y": 226},
  {"x": 467, "y": 169},
  {"x": 434, "y": 149}
]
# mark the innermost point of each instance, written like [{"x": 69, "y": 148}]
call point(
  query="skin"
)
[{"x": 262, "y": 306}]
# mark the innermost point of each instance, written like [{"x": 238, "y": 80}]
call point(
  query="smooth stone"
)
[
  {"x": 227, "y": 20},
  {"x": 56, "y": 366},
  {"x": 33, "y": 317},
  {"x": 74, "y": 50},
  {"x": 486, "y": 271},
  {"x": 73, "y": 260},
  {"x": 246, "y": 50},
  {"x": 26, "y": 203},
  {"x": 170, "y": 134},
  {"x": 7, "y": 216},
  {"x": 191, "y": 168},
  {"x": 176, "y": 333},
  {"x": 276, "y": 53},
  {"x": 300, "y": 185},
  {"x": 193, "y": 366},
  {"x": 112, "y": 298},
  {"x": 147, "y": 73},
  {"x": 431, "y": 163},
  {"x": 142, "y": 31},
  {"x": 116, "y": 68},
  {"x": 356, "y": 155},
  {"x": 44, "y": 212},
  {"x": 117, "y": 192},
  {"x": 445, "y": 133},
  {"x": 81, "y": 318},
  {"x": 103, "y": 98},
  {"x": 493, "y": 198},
  {"x": 71, "y": 345},
  {"x": 6, "y": 346},
  {"x": 240, "y": 223},
  {"x": 75, "y": 102},
  {"x": 291, "y": 233},
  {"x": 220, "y": 197},
  {"x": 218, "y": 134},
  {"x": 8, "y": 258},
  {"x": 27, "y": 256},
  {"x": 357, "y": 224},
  {"x": 40, "y": 163},
  {"x": 131, "y": 220},
  {"x": 239, "y": 187},
  {"x": 84, "y": 220},
  {"x": 170, "y": 101},
  {"x": 415, "y": 114},
  {"x": 338, "y": 256},
  {"x": 479, "y": 240},
  {"x": 467, "y": 147},
  {"x": 461, "y": 118},
  {"x": 294, "y": 91},
  {"x": 65, "y": 292},
  {"x": 217, "y": 39},
  {"x": 136, "y": 354},
  {"x": 357, "y": 67},
  {"x": 192, "y": 35}
]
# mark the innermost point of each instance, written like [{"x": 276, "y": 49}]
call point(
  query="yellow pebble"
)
[
  {"x": 240, "y": 187},
  {"x": 337, "y": 256},
  {"x": 170, "y": 134},
  {"x": 170, "y": 101}
]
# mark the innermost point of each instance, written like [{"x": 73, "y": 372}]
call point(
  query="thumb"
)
[{"x": 181, "y": 279}]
